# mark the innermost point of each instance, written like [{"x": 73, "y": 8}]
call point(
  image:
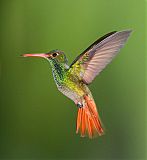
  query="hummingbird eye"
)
[{"x": 54, "y": 54}]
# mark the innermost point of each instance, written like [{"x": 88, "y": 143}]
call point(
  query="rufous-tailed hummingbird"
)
[{"x": 73, "y": 80}]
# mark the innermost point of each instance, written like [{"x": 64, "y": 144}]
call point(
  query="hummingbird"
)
[{"x": 73, "y": 80}]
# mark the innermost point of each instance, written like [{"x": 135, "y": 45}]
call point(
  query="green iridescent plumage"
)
[{"x": 65, "y": 77}]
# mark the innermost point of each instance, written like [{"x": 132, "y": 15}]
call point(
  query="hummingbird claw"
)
[{"x": 79, "y": 105}]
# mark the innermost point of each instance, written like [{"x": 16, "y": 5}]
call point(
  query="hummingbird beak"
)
[{"x": 43, "y": 55}]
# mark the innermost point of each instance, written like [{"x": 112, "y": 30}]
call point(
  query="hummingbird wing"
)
[{"x": 95, "y": 58}]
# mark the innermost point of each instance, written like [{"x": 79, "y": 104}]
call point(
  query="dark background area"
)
[{"x": 38, "y": 122}]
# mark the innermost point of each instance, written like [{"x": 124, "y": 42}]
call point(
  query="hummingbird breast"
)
[
  {"x": 69, "y": 84},
  {"x": 73, "y": 88}
]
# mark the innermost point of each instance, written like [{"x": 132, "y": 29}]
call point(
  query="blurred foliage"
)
[{"x": 38, "y": 122}]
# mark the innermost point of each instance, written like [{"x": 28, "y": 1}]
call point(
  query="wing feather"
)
[{"x": 96, "y": 57}]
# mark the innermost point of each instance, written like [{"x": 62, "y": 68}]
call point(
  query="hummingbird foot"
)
[{"x": 79, "y": 105}]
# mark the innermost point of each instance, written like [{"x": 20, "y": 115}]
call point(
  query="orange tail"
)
[{"x": 88, "y": 119}]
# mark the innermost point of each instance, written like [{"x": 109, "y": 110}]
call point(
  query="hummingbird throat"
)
[{"x": 58, "y": 70}]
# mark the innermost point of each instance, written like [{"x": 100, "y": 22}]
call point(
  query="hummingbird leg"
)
[
  {"x": 79, "y": 102},
  {"x": 79, "y": 105}
]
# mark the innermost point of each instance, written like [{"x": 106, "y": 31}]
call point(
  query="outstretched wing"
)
[{"x": 95, "y": 58}]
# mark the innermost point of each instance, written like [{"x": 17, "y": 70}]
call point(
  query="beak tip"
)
[{"x": 23, "y": 55}]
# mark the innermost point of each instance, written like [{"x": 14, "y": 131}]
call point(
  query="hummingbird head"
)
[{"x": 54, "y": 55}]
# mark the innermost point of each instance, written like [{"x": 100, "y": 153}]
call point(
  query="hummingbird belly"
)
[{"x": 72, "y": 90}]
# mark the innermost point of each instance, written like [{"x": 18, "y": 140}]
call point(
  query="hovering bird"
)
[{"x": 73, "y": 80}]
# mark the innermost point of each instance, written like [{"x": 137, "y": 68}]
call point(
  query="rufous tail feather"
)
[{"x": 88, "y": 120}]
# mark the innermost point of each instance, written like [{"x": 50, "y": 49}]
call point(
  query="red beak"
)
[{"x": 43, "y": 55}]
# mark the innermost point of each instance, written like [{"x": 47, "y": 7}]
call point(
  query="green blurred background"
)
[{"x": 38, "y": 122}]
